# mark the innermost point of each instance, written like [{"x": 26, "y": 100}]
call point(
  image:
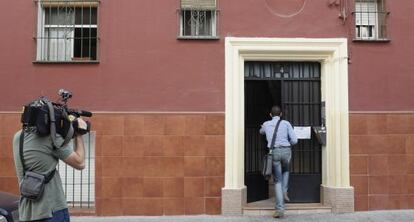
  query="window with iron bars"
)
[
  {"x": 370, "y": 20},
  {"x": 67, "y": 31},
  {"x": 198, "y": 19}
]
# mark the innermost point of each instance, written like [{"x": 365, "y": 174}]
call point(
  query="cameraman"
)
[{"x": 41, "y": 157}]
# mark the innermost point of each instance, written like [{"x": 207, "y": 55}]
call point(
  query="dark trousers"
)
[{"x": 58, "y": 216}]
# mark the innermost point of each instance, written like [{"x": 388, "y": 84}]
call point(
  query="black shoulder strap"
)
[
  {"x": 275, "y": 134},
  {"x": 21, "y": 151},
  {"x": 48, "y": 177},
  {"x": 70, "y": 133}
]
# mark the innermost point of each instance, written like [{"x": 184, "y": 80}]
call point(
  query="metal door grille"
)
[{"x": 301, "y": 105}]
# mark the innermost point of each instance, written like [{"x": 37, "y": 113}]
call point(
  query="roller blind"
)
[
  {"x": 69, "y": 3},
  {"x": 198, "y": 4}
]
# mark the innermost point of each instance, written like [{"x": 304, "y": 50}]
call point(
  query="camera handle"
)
[{"x": 70, "y": 133}]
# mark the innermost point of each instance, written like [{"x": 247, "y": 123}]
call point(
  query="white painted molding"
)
[{"x": 332, "y": 54}]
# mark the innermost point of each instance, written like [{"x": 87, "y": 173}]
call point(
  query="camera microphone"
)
[
  {"x": 84, "y": 113},
  {"x": 79, "y": 113}
]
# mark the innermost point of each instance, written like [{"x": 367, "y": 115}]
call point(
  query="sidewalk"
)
[{"x": 368, "y": 216}]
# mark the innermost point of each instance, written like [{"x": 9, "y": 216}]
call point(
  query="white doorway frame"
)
[{"x": 333, "y": 56}]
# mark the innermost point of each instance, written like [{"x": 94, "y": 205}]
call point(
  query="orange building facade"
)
[{"x": 166, "y": 81}]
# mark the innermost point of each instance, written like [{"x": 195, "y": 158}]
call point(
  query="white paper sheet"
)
[{"x": 302, "y": 132}]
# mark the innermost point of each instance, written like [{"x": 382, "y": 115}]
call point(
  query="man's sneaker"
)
[
  {"x": 278, "y": 214},
  {"x": 286, "y": 197}
]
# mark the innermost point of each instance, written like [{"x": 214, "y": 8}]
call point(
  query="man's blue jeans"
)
[
  {"x": 58, "y": 216},
  {"x": 281, "y": 163}
]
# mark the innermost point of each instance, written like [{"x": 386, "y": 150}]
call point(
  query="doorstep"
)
[{"x": 266, "y": 207}]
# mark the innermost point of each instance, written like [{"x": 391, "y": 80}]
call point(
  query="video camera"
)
[{"x": 41, "y": 113}]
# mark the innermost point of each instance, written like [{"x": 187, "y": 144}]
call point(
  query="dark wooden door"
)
[{"x": 295, "y": 86}]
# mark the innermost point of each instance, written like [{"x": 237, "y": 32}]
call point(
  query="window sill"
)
[
  {"x": 67, "y": 62},
  {"x": 198, "y": 37},
  {"x": 371, "y": 40}
]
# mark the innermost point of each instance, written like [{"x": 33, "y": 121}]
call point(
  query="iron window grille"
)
[
  {"x": 198, "y": 19},
  {"x": 370, "y": 20},
  {"x": 67, "y": 31}
]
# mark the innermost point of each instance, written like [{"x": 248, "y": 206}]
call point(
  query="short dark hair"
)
[{"x": 276, "y": 111}]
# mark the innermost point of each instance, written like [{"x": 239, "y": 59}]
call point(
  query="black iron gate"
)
[{"x": 295, "y": 86}]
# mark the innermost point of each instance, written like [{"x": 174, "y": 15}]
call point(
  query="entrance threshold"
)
[{"x": 266, "y": 208}]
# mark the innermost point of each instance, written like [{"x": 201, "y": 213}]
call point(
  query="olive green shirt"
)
[{"x": 40, "y": 157}]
